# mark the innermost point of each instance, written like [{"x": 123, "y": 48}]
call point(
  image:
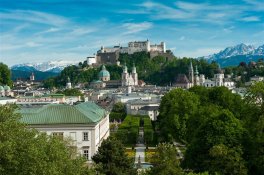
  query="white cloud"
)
[
  {"x": 32, "y": 44},
  {"x": 82, "y": 31},
  {"x": 33, "y": 17},
  {"x": 136, "y": 27},
  {"x": 250, "y": 19}
]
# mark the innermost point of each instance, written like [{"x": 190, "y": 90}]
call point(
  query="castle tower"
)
[
  {"x": 125, "y": 76},
  {"x": 68, "y": 84},
  {"x": 134, "y": 75},
  {"x": 196, "y": 77},
  {"x": 191, "y": 76},
  {"x": 163, "y": 45},
  {"x": 219, "y": 77}
]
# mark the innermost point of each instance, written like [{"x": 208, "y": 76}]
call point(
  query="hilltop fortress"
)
[{"x": 110, "y": 55}]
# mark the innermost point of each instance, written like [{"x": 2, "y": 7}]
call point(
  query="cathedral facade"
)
[{"x": 129, "y": 79}]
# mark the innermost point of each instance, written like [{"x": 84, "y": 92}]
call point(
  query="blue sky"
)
[{"x": 44, "y": 30}]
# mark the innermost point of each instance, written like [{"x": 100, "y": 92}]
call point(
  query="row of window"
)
[{"x": 72, "y": 135}]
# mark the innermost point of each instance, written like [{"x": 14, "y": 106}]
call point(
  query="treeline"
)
[
  {"x": 245, "y": 71},
  {"x": 223, "y": 133}
]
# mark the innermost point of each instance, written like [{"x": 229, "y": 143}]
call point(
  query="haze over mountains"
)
[{"x": 232, "y": 56}]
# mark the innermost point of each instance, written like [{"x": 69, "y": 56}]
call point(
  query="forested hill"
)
[{"x": 157, "y": 70}]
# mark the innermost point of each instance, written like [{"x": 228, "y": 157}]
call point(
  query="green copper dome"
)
[
  {"x": 1, "y": 88},
  {"x": 7, "y": 88},
  {"x": 104, "y": 73}
]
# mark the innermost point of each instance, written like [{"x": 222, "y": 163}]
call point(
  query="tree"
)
[
  {"x": 254, "y": 121},
  {"x": 111, "y": 159},
  {"x": 5, "y": 75},
  {"x": 165, "y": 161},
  {"x": 25, "y": 151},
  {"x": 220, "y": 128},
  {"x": 175, "y": 109}
]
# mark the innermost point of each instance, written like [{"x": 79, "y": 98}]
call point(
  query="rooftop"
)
[{"x": 83, "y": 113}]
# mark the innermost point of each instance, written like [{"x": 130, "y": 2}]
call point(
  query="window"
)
[
  {"x": 86, "y": 153},
  {"x": 58, "y": 134},
  {"x": 85, "y": 136}
]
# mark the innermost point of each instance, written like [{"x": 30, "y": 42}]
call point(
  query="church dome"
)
[
  {"x": 1, "y": 88},
  {"x": 104, "y": 73},
  {"x": 6, "y": 88}
]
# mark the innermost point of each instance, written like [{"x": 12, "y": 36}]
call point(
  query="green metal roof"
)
[
  {"x": 1, "y": 88},
  {"x": 83, "y": 113},
  {"x": 104, "y": 72}
]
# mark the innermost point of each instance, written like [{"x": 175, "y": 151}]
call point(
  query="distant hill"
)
[
  {"x": 39, "y": 76},
  {"x": 232, "y": 56}
]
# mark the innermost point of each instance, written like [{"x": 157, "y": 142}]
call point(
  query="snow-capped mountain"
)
[
  {"x": 232, "y": 56},
  {"x": 50, "y": 66}
]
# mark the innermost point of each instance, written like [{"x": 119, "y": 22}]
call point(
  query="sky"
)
[{"x": 46, "y": 30}]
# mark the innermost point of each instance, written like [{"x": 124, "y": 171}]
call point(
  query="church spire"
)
[{"x": 134, "y": 70}]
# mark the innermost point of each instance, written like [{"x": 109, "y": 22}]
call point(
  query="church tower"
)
[
  {"x": 196, "y": 77},
  {"x": 125, "y": 76},
  {"x": 191, "y": 76},
  {"x": 219, "y": 77},
  {"x": 68, "y": 84},
  {"x": 134, "y": 75}
]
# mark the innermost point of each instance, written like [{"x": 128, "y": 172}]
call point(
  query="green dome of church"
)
[
  {"x": 7, "y": 88},
  {"x": 104, "y": 73},
  {"x": 1, "y": 88}
]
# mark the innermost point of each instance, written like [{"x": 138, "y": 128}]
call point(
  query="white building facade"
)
[{"x": 86, "y": 125}]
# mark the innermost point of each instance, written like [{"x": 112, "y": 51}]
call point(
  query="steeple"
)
[
  {"x": 191, "y": 76},
  {"x": 196, "y": 70},
  {"x": 134, "y": 70},
  {"x": 125, "y": 68}
]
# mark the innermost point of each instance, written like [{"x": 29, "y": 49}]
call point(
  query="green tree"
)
[
  {"x": 5, "y": 75},
  {"x": 165, "y": 161},
  {"x": 175, "y": 109},
  {"x": 25, "y": 151},
  {"x": 254, "y": 122},
  {"x": 220, "y": 127},
  {"x": 111, "y": 159}
]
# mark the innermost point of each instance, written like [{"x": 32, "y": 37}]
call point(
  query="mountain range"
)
[
  {"x": 42, "y": 70},
  {"x": 232, "y": 56},
  {"x": 50, "y": 66}
]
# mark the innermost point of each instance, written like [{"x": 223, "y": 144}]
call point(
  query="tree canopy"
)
[
  {"x": 111, "y": 159},
  {"x": 5, "y": 75},
  {"x": 25, "y": 151}
]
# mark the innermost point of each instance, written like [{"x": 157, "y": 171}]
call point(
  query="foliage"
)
[
  {"x": 21, "y": 153},
  {"x": 165, "y": 161},
  {"x": 71, "y": 92},
  {"x": 5, "y": 75},
  {"x": 254, "y": 123},
  {"x": 220, "y": 127},
  {"x": 148, "y": 130},
  {"x": 175, "y": 109},
  {"x": 118, "y": 112},
  {"x": 127, "y": 132},
  {"x": 111, "y": 159}
]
